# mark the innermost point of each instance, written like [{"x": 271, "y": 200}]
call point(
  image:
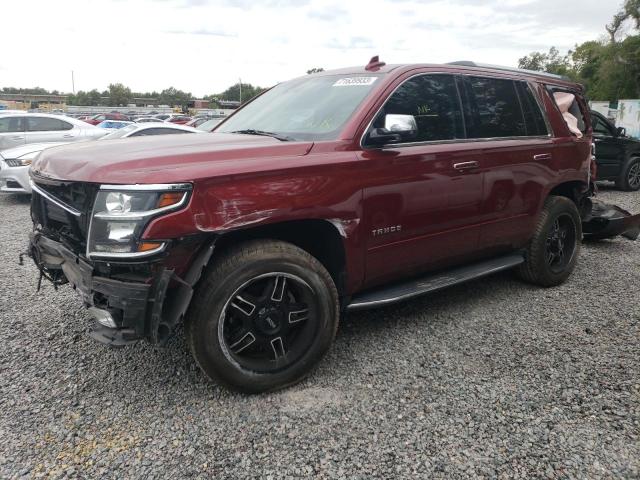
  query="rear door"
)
[
  {"x": 11, "y": 131},
  {"x": 504, "y": 117},
  {"x": 47, "y": 129},
  {"x": 423, "y": 196},
  {"x": 609, "y": 150}
]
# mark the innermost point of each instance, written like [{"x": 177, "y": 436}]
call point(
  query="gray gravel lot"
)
[{"x": 492, "y": 379}]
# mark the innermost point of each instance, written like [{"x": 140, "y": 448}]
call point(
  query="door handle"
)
[
  {"x": 68, "y": 136},
  {"x": 17, "y": 138},
  {"x": 542, "y": 156},
  {"x": 466, "y": 166}
]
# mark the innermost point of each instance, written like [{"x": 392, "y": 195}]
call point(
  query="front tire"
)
[
  {"x": 263, "y": 317},
  {"x": 553, "y": 251},
  {"x": 629, "y": 179}
]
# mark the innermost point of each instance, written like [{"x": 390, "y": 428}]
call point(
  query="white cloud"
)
[{"x": 203, "y": 46}]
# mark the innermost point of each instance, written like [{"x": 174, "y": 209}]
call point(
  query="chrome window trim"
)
[
  {"x": 453, "y": 140},
  {"x": 150, "y": 187},
  {"x": 391, "y": 146},
  {"x": 55, "y": 201}
]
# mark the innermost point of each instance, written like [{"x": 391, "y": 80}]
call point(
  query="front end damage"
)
[{"x": 129, "y": 302}]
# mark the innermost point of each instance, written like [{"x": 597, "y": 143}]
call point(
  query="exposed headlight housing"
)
[{"x": 122, "y": 212}]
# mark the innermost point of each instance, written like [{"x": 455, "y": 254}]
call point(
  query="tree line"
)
[
  {"x": 120, "y": 95},
  {"x": 608, "y": 68}
]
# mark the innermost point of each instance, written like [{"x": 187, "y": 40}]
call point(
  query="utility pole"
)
[
  {"x": 73, "y": 83},
  {"x": 240, "y": 89}
]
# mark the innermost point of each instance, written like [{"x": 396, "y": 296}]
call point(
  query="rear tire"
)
[
  {"x": 264, "y": 315},
  {"x": 629, "y": 179},
  {"x": 553, "y": 251}
]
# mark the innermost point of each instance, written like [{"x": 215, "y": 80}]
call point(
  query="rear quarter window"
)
[{"x": 535, "y": 124}]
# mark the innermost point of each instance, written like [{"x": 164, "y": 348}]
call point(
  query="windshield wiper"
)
[{"x": 251, "y": 131}]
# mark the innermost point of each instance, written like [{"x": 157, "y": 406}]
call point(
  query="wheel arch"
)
[
  {"x": 320, "y": 238},
  {"x": 575, "y": 190}
]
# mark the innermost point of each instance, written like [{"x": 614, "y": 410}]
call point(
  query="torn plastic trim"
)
[
  {"x": 168, "y": 311},
  {"x": 608, "y": 221}
]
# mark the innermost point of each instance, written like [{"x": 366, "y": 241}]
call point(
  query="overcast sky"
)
[{"x": 203, "y": 46}]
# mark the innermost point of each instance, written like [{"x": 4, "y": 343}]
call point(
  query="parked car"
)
[
  {"x": 617, "y": 155},
  {"x": 196, "y": 121},
  {"x": 209, "y": 125},
  {"x": 147, "y": 120},
  {"x": 20, "y": 128},
  {"x": 147, "y": 129},
  {"x": 101, "y": 117},
  {"x": 332, "y": 192},
  {"x": 113, "y": 124},
  {"x": 163, "y": 116},
  {"x": 15, "y": 163},
  {"x": 178, "y": 119}
]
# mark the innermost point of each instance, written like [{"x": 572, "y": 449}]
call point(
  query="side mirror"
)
[
  {"x": 621, "y": 132},
  {"x": 401, "y": 124},
  {"x": 396, "y": 128}
]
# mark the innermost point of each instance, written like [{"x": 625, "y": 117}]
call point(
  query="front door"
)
[
  {"x": 424, "y": 191},
  {"x": 609, "y": 150}
]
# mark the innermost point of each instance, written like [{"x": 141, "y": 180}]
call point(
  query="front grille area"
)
[{"x": 57, "y": 223}]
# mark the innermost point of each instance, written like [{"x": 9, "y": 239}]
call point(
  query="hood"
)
[
  {"x": 165, "y": 158},
  {"x": 17, "y": 152}
]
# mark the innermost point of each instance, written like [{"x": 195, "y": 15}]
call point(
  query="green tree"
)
[
  {"x": 174, "y": 97},
  {"x": 552, "y": 62},
  {"x": 233, "y": 92},
  {"x": 119, "y": 95}
]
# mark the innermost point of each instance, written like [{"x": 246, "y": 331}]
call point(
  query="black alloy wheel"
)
[
  {"x": 633, "y": 176},
  {"x": 560, "y": 244},
  {"x": 269, "y": 322}
]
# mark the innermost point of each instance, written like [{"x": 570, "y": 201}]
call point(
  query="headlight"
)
[
  {"x": 23, "y": 161},
  {"x": 122, "y": 212}
]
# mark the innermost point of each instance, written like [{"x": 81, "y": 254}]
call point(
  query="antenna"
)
[{"x": 374, "y": 64}]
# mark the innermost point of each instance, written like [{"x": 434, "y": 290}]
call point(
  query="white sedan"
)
[
  {"x": 15, "y": 162},
  {"x": 145, "y": 129},
  {"x": 18, "y": 129},
  {"x": 14, "y": 166}
]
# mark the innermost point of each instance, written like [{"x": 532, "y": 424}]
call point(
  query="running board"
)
[{"x": 388, "y": 295}]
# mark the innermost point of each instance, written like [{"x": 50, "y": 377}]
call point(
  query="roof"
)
[{"x": 459, "y": 66}]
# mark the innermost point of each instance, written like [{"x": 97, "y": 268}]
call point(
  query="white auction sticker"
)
[{"x": 355, "y": 81}]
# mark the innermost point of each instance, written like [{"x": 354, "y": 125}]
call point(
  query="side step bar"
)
[{"x": 388, "y": 295}]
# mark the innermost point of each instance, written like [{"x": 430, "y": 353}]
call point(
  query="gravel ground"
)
[{"x": 492, "y": 379}]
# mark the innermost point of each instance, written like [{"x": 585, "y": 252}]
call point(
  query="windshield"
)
[
  {"x": 120, "y": 133},
  {"x": 209, "y": 124},
  {"x": 310, "y": 108}
]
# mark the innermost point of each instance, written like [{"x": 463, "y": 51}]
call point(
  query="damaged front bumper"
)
[
  {"x": 128, "y": 308},
  {"x": 608, "y": 221}
]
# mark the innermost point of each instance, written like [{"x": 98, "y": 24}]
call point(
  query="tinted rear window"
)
[{"x": 495, "y": 109}]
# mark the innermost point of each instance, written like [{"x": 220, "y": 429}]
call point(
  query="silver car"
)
[
  {"x": 15, "y": 162},
  {"x": 22, "y": 128},
  {"x": 14, "y": 166}
]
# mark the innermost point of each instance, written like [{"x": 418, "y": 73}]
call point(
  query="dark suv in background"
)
[
  {"x": 617, "y": 156},
  {"x": 342, "y": 190}
]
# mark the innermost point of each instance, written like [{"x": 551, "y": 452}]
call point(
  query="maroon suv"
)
[{"x": 342, "y": 190}]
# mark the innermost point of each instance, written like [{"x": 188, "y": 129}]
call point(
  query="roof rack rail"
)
[{"x": 467, "y": 63}]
